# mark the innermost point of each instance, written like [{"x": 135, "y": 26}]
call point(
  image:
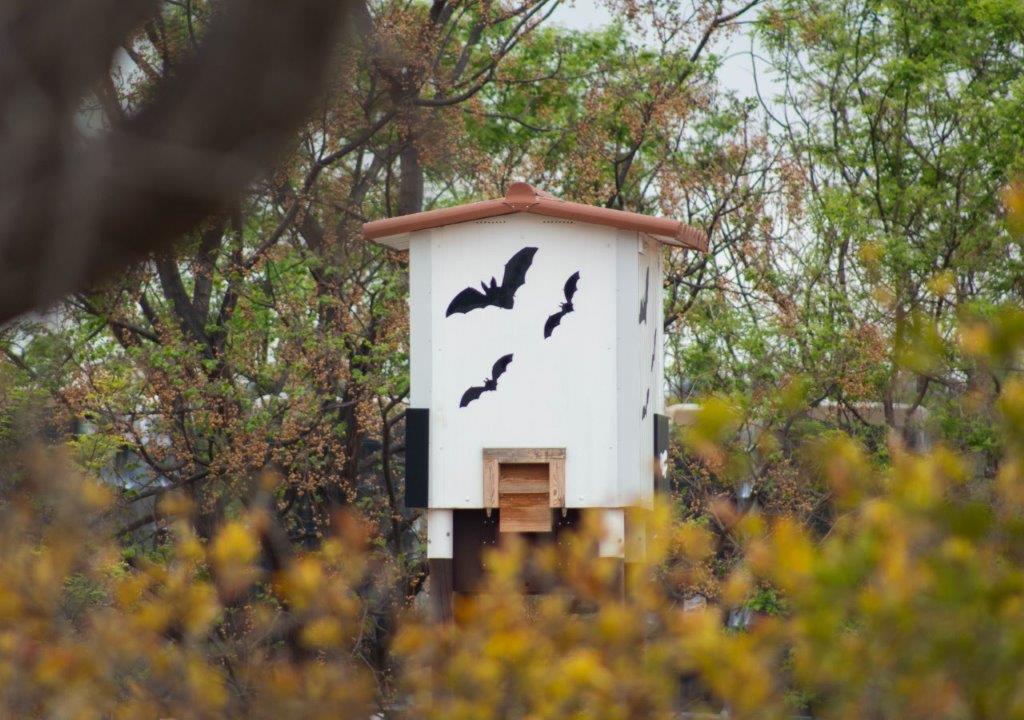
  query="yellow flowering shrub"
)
[
  {"x": 911, "y": 606},
  {"x": 196, "y": 634}
]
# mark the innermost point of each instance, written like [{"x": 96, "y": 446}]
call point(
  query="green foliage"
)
[{"x": 767, "y": 601}]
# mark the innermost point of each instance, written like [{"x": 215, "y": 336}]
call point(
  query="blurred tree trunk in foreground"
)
[{"x": 77, "y": 207}]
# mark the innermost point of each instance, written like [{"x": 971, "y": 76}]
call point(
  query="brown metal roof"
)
[{"x": 522, "y": 197}]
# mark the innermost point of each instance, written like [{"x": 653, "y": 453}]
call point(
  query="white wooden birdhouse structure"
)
[{"x": 536, "y": 366}]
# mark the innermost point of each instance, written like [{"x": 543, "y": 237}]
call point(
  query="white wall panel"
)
[
  {"x": 557, "y": 392},
  {"x": 628, "y": 372},
  {"x": 440, "y": 534},
  {"x": 658, "y": 381},
  {"x": 649, "y": 362},
  {"x": 636, "y": 536},
  {"x": 613, "y": 534},
  {"x": 659, "y": 363},
  {"x": 582, "y": 389},
  {"x": 420, "y": 319}
]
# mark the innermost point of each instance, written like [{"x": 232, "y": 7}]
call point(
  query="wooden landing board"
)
[{"x": 524, "y": 512}]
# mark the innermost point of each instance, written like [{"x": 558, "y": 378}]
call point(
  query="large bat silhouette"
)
[
  {"x": 569, "y": 290},
  {"x": 647, "y": 293},
  {"x": 490, "y": 383},
  {"x": 497, "y": 295}
]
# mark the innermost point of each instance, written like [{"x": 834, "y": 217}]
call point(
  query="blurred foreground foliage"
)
[{"x": 912, "y": 606}]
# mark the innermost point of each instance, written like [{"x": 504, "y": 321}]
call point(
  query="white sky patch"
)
[{"x": 738, "y": 52}]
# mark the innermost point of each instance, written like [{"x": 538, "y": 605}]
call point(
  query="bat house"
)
[{"x": 536, "y": 366}]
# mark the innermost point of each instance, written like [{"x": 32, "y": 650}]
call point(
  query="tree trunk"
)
[{"x": 410, "y": 185}]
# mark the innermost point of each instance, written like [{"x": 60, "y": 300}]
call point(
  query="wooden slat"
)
[
  {"x": 524, "y": 513},
  {"x": 556, "y": 483},
  {"x": 523, "y": 478},
  {"x": 523, "y": 455},
  {"x": 490, "y": 482}
]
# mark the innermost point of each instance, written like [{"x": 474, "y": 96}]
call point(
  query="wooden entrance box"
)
[{"x": 524, "y": 484}]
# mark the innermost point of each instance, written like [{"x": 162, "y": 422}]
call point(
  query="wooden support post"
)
[
  {"x": 440, "y": 544},
  {"x": 441, "y": 595},
  {"x": 613, "y": 533},
  {"x": 635, "y": 547},
  {"x": 620, "y": 579},
  {"x": 616, "y": 568},
  {"x": 632, "y": 577},
  {"x": 613, "y": 545}
]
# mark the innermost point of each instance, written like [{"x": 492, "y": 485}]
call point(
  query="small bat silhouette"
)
[
  {"x": 647, "y": 400},
  {"x": 647, "y": 293},
  {"x": 490, "y": 383},
  {"x": 502, "y": 295},
  {"x": 654, "y": 350},
  {"x": 569, "y": 290}
]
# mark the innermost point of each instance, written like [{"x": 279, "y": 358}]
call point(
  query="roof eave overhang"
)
[{"x": 522, "y": 198}]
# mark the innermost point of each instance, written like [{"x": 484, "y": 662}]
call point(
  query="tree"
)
[
  {"x": 896, "y": 130},
  {"x": 903, "y": 127}
]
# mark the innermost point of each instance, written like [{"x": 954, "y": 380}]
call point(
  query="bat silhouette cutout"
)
[
  {"x": 647, "y": 294},
  {"x": 647, "y": 400},
  {"x": 654, "y": 350},
  {"x": 503, "y": 295},
  {"x": 555, "y": 320},
  {"x": 490, "y": 383}
]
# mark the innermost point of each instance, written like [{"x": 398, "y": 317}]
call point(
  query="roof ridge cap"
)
[{"x": 521, "y": 196}]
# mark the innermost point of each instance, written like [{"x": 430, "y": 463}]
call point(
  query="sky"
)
[{"x": 737, "y": 71}]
